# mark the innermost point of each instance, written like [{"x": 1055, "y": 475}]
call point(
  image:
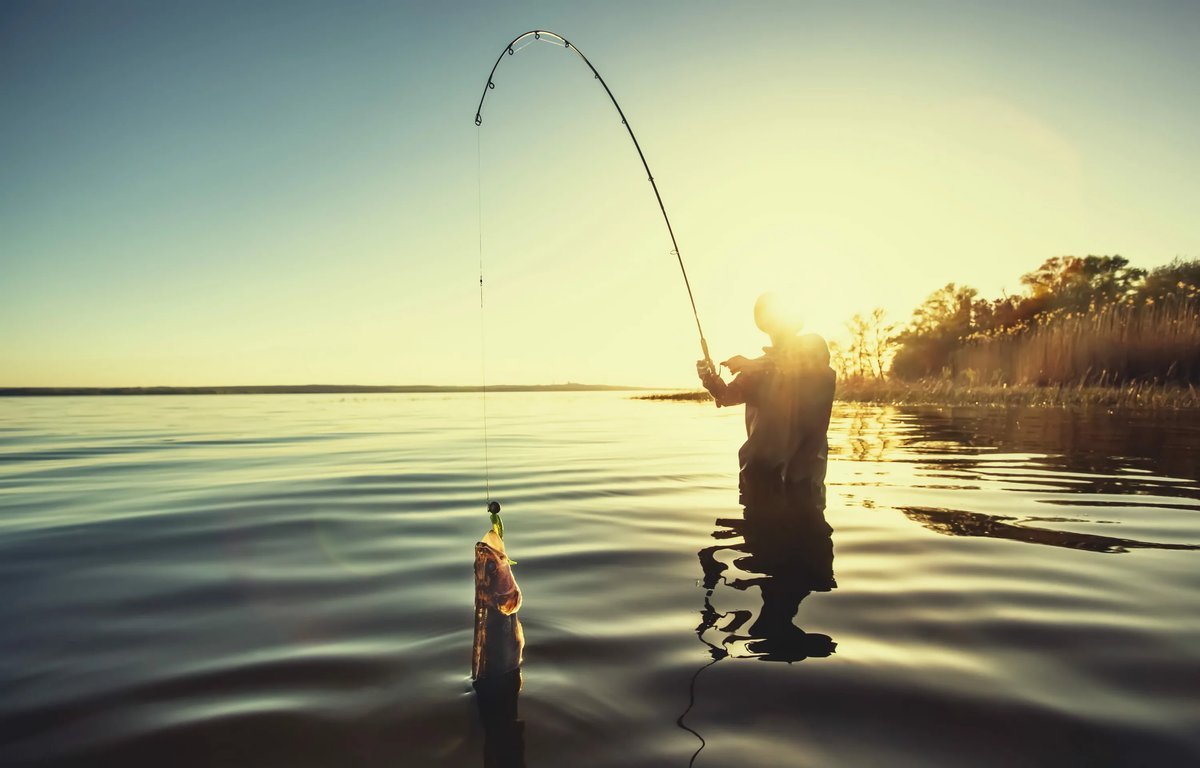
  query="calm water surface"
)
[{"x": 286, "y": 581}]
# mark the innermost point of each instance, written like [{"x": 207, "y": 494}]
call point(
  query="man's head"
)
[{"x": 774, "y": 317}]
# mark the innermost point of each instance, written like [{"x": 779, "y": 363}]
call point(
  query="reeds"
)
[
  {"x": 694, "y": 397},
  {"x": 948, "y": 392},
  {"x": 1113, "y": 346}
]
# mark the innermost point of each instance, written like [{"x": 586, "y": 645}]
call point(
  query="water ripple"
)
[{"x": 286, "y": 581}]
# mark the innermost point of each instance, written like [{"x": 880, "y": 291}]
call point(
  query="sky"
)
[{"x": 296, "y": 192}]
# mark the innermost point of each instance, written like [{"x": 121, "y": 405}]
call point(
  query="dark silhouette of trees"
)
[
  {"x": 1089, "y": 318},
  {"x": 1178, "y": 281},
  {"x": 938, "y": 327},
  {"x": 1078, "y": 284},
  {"x": 870, "y": 348}
]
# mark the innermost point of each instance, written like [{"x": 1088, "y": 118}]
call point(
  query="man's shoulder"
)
[{"x": 813, "y": 348}]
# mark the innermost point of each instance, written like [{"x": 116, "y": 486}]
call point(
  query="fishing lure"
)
[{"x": 498, "y": 524}]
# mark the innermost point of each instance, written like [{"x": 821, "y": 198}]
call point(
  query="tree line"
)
[{"x": 1077, "y": 320}]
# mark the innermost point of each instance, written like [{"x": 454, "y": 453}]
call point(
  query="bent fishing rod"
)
[{"x": 559, "y": 40}]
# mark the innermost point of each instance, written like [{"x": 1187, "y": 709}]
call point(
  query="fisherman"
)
[
  {"x": 788, "y": 393},
  {"x": 787, "y": 545}
]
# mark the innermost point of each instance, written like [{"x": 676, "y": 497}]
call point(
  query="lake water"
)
[{"x": 287, "y": 581}]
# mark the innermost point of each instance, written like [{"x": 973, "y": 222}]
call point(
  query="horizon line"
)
[{"x": 268, "y": 389}]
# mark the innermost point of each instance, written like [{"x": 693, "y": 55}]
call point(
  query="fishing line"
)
[
  {"x": 542, "y": 35},
  {"x": 487, "y": 480},
  {"x": 691, "y": 703}
]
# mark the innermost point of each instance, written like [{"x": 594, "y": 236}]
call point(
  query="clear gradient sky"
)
[{"x": 255, "y": 193}]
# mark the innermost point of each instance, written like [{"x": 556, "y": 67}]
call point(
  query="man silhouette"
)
[
  {"x": 787, "y": 547},
  {"x": 788, "y": 394}
]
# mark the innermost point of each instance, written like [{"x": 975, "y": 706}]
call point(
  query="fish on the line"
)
[
  {"x": 499, "y": 639},
  {"x": 498, "y": 649}
]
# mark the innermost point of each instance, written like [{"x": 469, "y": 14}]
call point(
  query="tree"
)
[
  {"x": 880, "y": 340},
  {"x": 1178, "y": 281},
  {"x": 937, "y": 328},
  {"x": 1079, "y": 284},
  {"x": 858, "y": 353}
]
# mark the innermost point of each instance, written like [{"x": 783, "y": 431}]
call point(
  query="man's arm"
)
[{"x": 724, "y": 394}]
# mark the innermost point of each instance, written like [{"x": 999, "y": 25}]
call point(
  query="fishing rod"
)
[{"x": 556, "y": 39}]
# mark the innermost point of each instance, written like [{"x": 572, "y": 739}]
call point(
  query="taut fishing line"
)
[
  {"x": 487, "y": 480},
  {"x": 543, "y": 35},
  {"x": 529, "y": 38}
]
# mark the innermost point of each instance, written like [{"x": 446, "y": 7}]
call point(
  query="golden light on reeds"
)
[{"x": 1158, "y": 343}]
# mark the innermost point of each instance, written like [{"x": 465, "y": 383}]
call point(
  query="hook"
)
[
  {"x": 537, "y": 35},
  {"x": 478, "y": 119},
  {"x": 491, "y": 85},
  {"x": 510, "y": 50}
]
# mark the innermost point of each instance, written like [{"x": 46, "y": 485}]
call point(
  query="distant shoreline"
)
[
  {"x": 945, "y": 393},
  {"x": 310, "y": 389}
]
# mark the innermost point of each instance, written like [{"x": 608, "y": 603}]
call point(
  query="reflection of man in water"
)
[
  {"x": 787, "y": 552},
  {"x": 787, "y": 544}
]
